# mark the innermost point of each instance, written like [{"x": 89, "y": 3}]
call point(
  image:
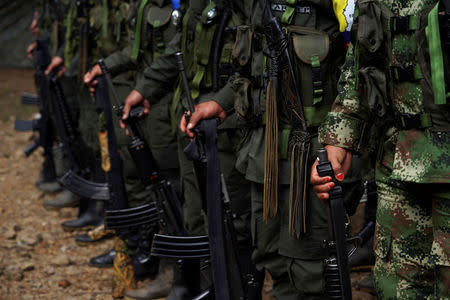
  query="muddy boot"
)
[
  {"x": 363, "y": 258},
  {"x": 94, "y": 236},
  {"x": 65, "y": 199},
  {"x": 368, "y": 285},
  {"x": 88, "y": 219},
  {"x": 158, "y": 288},
  {"x": 104, "y": 260},
  {"x": 123, "y": 273}
]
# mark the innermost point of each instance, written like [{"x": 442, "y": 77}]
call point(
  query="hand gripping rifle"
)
[
  {"x": 226, "y": 274},
  {"x": 337, "y": 272},
  {"x": 166, "y": 199},
  {"x": 118, "y": 215}
]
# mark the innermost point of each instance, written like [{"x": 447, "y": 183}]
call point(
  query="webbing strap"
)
[
  {"x": 316, "y": 79},
  {"x": 288, "y": 14},
  {"x": 158, "y": 38},
  {"x": 203, "y": 46},
  {"x": 436, "y": 59},
  {"x": 403, "y": 24},
  {"x": 105, "y": 19},
  {"x": 174, "y": 107},
  {"x": 137, "y": 36}
]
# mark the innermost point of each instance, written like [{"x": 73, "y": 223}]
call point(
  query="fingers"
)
[
  {"x": 315, "y": 178},
  {"x": 183, "y": 124},
  {"x": 147, "y": 107},
  {"x": 347, "y": 163},
  {"x": 195, "y": 118},
  {"x": 61, "y": 71},
  {"x": 133, "y": 99}
]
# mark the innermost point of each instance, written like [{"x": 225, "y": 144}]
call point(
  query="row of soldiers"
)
[{"x": 380, "y": 105}]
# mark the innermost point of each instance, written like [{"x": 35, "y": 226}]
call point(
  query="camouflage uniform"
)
[{"x": 388, "y": 98}]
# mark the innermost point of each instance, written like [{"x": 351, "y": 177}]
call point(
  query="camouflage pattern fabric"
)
[
  {"x": 413, "y": 229},
  {"x": 413, "y": 169},
  {"x": 409, "y": 155}
]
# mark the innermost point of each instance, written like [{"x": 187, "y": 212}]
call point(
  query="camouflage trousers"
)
[{"x": 412, "y": 241}]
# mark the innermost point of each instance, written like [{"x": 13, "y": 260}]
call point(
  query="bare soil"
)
[{"x": 38, "y": 259}]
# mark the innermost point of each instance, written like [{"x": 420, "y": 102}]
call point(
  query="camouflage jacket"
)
[{"x": 373, "y": 100}]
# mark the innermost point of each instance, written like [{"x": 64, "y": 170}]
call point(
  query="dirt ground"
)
[{"x": 38, "y": 259}]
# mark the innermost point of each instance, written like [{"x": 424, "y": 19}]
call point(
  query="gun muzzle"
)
[{"x": 30, "y": 149}]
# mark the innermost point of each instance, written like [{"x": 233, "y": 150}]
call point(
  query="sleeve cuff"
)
[
  {"x": 225, "y": 96},
  {"x": 341, "y": 130}
]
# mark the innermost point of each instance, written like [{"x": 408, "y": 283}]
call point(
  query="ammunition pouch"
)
[{"x": 316, "y": 57}]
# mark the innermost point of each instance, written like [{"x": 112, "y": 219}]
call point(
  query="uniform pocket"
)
[{"x": 382, "y": 242}]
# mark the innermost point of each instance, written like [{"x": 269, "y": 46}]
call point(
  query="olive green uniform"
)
[
  {"x": 317, "y": 50},
  {"x": 154, "y": 33},
  {"x": 197, "y": 44}
]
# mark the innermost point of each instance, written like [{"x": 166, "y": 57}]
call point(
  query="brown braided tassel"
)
[
  {"x": 123, "y": 273},
  {"x": 270, "y": 198}
]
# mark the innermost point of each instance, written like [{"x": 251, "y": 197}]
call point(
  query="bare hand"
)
[
  {"x": 34, "y": 28},
  {"x": 341, "y": 161},
  {"x": 57, "y": 63},
  {"x": 89, "y": 78},
  {"x": 205, "y": 110},
  {"x": 134, "y": 98},
  {"x": 30, "y": 50}
]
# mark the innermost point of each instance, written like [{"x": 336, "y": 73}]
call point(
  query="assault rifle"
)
[
  {"x": 44, "y": 124},
  {"x": 166, "y": 199},
  {"x": 337, "y": 272},
  {"x": 72, "y": 147},
  {"x": 226, "y": 274}
]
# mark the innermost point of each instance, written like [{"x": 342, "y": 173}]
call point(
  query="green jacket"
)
[
  {"x": 316, "y": 46},
  {"x": 94, "y": 29},
  {"x": 196, "y": 40},
  {"x": 146, "y": 42},
  {"x": 375, "y": 94}
]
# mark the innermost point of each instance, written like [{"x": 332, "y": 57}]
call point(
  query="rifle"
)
[
  {"x": 30, "y": 99},
  {"x": 337, "y": 272},
  {"x": 226, "y": 274},
  {"x": 72, "y": 147},
  {"x": 166, "y": 199},
  {"x": 44, "y": 124}
]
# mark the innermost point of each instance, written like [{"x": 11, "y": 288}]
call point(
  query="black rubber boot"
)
[
  {"x": 90, "y": 218},
  {"x": 104, "y": 260}
]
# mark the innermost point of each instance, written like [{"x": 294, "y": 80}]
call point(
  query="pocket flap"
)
[
  {"x": 309, "y": 44},
  {"x": 159, "y": 14},
  {"x": 243, "y": 45}
]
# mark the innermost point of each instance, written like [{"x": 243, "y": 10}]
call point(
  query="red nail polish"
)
[
  {"x": 331, "y": 185},
  {"x": 340, "y": 176},
  {"x": 328, "y": 179}
]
